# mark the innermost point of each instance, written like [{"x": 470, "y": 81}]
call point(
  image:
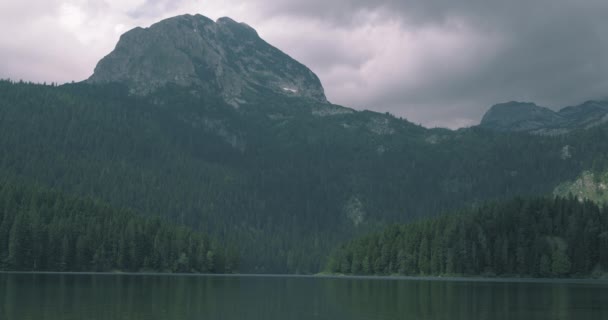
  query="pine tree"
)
[
  {"x": 561, "y": 263},
  {"x": 19, "y": 248},
  {"x": 423, "y": 257}
]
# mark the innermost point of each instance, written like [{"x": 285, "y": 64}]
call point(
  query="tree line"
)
[
  {"x": 42, "y": 230},
  {"x": 541, "y": 237}
]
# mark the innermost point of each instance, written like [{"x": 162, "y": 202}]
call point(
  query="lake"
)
[{"x": 180, "y": 297}]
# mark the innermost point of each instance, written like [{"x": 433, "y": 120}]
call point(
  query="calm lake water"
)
[{"x": 133, "y": 297}]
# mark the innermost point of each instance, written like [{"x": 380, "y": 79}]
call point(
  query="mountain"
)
[
  {"x": 284, "y": 177},
  {"x": 528, "y": 117},
  {"x": 222, "y": 57},
  {"x": 518, "y": 116}
]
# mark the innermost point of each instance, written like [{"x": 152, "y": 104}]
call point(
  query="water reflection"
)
[{"x": 45, "y": 296}]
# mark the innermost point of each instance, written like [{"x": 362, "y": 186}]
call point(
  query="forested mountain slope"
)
[
  {"x": 268, "y": 166},
  {"x": 277, "y": 179},
  {"x": 590, "y": 185}
]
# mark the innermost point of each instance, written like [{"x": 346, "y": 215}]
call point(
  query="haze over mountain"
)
[{"x": 207, "y": 125}]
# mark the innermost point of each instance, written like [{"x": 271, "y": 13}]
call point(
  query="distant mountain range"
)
[
  {"x": 207, "y": 125},
  {"x": 528, "y": 117}
]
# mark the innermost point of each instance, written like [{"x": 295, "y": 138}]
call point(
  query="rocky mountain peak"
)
[
  {"x": 518, "y": 116},
  {"x": 528, "y": 117},
  {"x": 223, "y": 56}
]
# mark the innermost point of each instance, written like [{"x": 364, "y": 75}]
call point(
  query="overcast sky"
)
[{"x": 434, "y": 62}]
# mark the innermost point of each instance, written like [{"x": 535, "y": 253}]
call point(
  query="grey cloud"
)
[
  {"x": 325, "y": 52},
  {"x": 424, "y": 12},
  {"x": 154, "y": 8},
  {"x": 551, "y": 52}
]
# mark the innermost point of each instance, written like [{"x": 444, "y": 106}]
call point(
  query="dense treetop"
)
[
  {"x": 43, "y": 230},
  {"x": 523, "y": 237}
]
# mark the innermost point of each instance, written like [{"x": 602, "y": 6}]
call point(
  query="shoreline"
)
[{"x": 327, "y": 276}]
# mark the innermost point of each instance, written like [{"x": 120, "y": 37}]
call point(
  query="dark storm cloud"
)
[
  {"x": 518, "y": 13},
  {"x": 552, "y": 52}
]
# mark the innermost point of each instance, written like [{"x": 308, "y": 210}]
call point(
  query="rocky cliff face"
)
[
  {"x": 223, "y": 57},
  {"x": 528, "y": 117}
]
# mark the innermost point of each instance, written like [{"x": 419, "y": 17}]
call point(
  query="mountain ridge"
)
[{"x": 531, "y": 118}]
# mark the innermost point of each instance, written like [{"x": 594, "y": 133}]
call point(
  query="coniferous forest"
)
[
  {"x": 282, "y": 180},
  {"x": 560, "y": 237},
  {"x": 43, "y": 230}
]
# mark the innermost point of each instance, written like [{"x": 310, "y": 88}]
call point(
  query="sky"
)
[{"x": 439, "y": 63}]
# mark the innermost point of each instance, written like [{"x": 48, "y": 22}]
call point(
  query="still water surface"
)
[{"x": 134, "y": 297}]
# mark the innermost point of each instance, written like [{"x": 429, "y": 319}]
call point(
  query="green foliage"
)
[
  {"x": 52, "y": 232},
  {"x": 538, "y": 237},
  {"x": 283, "y": 183},
  {"x": 589, "y": 185},
  {"x": 561, "y": 263}
]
